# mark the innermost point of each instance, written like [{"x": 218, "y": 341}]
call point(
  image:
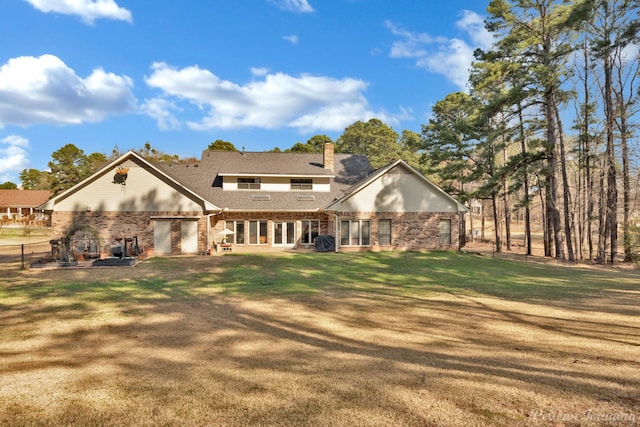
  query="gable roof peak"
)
[{"x": 358, "y": 186}]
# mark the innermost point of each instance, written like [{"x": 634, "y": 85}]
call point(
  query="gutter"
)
[
  {"x": 232, "y": 210},
  {"x": 337, "y": 224},
  {"x": 334, "y": 214}
]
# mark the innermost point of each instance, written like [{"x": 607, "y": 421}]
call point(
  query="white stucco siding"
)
[
  {"x": 399, "y": 191},
  {"x": 142, "y": 191},
  {"x": 274, "y": 183}
]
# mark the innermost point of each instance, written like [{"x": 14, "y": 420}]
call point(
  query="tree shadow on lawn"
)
[
  {"x": 419, "y": 274},
  {"x": 166, "y": 352}
]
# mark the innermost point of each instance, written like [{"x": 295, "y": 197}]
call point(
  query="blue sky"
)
[{"x": 258, "y": 73}]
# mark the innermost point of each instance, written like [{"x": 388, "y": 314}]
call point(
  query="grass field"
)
[{"x": 434, "y": 338}]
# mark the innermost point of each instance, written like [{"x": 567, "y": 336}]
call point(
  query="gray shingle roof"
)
[
  {"x": 205, "y": 178},
  {"x": 301, "y": 164}
]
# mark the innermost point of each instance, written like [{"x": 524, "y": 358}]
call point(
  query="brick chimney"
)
[{"x": 327, "y": 156}]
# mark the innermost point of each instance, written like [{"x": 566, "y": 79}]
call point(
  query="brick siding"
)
[
  {"x": 114, "y": 224},
  {"x": 409, "y": 231}
]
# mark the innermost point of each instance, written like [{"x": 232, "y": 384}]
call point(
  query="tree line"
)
[{"x": 507, "y": 141}]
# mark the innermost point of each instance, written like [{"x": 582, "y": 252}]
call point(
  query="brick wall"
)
[
  {"x": 409, "y": 231},
  {"x": 115, "y": 224},
  {"x": 218, "y": 224}
]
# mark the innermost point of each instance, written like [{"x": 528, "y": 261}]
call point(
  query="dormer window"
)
[
  {"x": 248, "y": 183},
  {"x": 301, "y": 184}
]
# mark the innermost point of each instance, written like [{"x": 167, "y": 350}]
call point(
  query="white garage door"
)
[
  {"x": 162, "y": 236},
  {"x": 189, "y": 237}
]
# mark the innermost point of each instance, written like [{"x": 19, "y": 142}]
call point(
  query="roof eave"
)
[
  {"x": 375, "y": 175},
  {"x": 280, "y": 175},
  {"x": 50, "y": 204},
  {"x": 238, "y": 210}
]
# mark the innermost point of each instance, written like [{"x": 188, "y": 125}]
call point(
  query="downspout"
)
[
  {"x": 208, "y": 251},
  {"x": 209, "y": 242},
  {"x": 335, "y": 216},
  {"x": 461, "y": 232},
  {"x": 461, "y": 222}
]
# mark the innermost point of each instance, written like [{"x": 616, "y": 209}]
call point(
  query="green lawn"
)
[
  {"x": 433, "y": 338},
  {"x": 411, "y": 273}
]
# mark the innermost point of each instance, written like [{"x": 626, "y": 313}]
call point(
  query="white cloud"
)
[
  {"x": 473, "y": 25},
  {"x": 296, "y": 6},
  {"x": 452, "y": 60},
  {"x": 275, "y": 101},
  {"x": 160, "y": 109},
  {"x": 293, "y": 39},
  {"x": 262, "y": 71},
  {"x": 35, "y": 90},
  {"x": 13, "y": 157},
  {"x": 630, "y": 53},
  {"x": 450, "y": 57},
  {"x": 411, "y": 45},
  {"x": 87, "y": 10}
]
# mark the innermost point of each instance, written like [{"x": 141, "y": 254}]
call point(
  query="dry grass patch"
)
[{"x": 382, "y": 339}]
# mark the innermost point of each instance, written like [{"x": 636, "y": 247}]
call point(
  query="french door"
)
[{"x": 284, "y": 233}]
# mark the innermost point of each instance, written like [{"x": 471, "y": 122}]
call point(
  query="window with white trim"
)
[
  {"x": 301, "y": 184},
  {"x": 238, "y": 232},
  {"x": 257, "y": 232},
  {"x": 310, "y": 230},
  {"x": 384, "y": 232},
  {"x": 355, "y": 233},
  {"x": 248, "y": 183},
  {"x": 445, "y": 231},
  {"x": 284, "y": 233}
]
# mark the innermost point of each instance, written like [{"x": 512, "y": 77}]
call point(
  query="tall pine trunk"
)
[
  {"x": 626, "y": 189},
  {"x": 553, "y": 214},
  {"x": 496, "y": 222},
  {"x": 507, "y": 203},
  {"x": 611, "y": 223},
  {"x": 602, "y": 215},
  {"x": 527, "y": 209},
  {"x": 590, "y": 201},
  {"x": 625, "y": 81},
  {"x": 545, "y": 222},
  {"x": 568, "y": 223}
]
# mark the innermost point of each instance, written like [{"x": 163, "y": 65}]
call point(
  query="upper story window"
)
[
  {"x": 248, "y": 183},
  {"x": 301, "y": 184}
]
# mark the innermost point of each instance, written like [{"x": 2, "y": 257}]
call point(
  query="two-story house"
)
[{"x": 257, "y": 201}]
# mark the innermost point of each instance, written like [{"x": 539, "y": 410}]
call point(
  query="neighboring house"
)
[
  {"x": 258, "y": 202},
  {"x": 18, "y": 204}
]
